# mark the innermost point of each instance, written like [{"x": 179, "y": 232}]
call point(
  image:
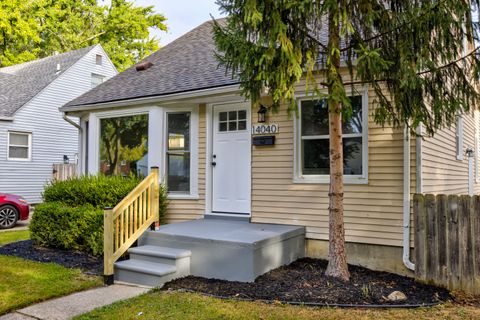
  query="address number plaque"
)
[{"x": 265, "y": 129}]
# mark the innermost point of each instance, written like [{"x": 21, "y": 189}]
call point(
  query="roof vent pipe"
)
[
  {"x": 143, "y": 66},
  {"x": 59, "y": 68}
]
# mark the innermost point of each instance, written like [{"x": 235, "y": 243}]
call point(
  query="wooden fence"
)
[
  {"x": 62, "y": 172},
  {"x": 447, "y": 241},
  {"x": 125, "y": 223}
]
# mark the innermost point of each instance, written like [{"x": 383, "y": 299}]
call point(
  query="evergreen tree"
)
[{"x": 413, "y": 54}]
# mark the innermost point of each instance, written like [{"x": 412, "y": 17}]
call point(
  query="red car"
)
[{"x": 12, "y": 209}]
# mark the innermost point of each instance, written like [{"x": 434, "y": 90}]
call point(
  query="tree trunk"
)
[{"x": 337, "y": 259}]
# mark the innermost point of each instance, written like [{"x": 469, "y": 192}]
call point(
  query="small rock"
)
[{"x": 397, "y": 296}]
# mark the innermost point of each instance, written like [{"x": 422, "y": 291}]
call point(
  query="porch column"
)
[
  {"x": 92, "y": 149},
  {"x": 156, "y": 139}
]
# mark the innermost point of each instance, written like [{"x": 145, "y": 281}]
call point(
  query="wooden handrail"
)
[{"x": 130, "y": 218}]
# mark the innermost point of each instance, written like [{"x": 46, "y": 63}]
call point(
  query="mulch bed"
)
[
  {"x": 304, "y": 281},
  {"x": 69, "y": 259}
]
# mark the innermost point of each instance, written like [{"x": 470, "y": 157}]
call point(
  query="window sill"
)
[
  {"x": 183, "y": 197},
  {"x": 19, "y": 160},
  {"x": 326, "y": 180}
]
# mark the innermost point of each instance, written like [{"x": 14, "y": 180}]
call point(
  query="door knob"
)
[{"x": 214, "y": 163}]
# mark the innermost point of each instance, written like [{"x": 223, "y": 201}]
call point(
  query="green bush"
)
[
  {"x": 71, "y": 216},
  {"x": 59, "y": 225},
  {"x": 163, "y": 204},
  {"x": 99, "y": 191}
]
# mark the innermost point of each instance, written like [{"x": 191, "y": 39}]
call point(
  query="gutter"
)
[
  {"x": 406, "y": 201},
  {"x": 154, "y": 99},
  {"x": 7, "y": 118},
  {"x": 73, "y": 123}
]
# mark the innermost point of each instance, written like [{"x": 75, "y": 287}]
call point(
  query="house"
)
[
  {"x": 33, "y": 135},
  {"x": 219, "y": 162}
]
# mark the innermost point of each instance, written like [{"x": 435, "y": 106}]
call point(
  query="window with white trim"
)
[
  {"x": 313, "y": 147},
  {"x": 178, "y": 152},
  {"x": 459, "y": 137},
  {"x": 19, "y": 146},
  {"x": 97, "y": 79}
]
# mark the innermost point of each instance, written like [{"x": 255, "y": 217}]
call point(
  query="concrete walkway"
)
[
  {"x": 21, "y": 225},
  {"x": 76, "y": 304}
]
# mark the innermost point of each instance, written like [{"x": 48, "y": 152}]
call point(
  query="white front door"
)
[{"x": 230, "y": 159}]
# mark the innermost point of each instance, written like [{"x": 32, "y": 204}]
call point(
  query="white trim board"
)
[
  {"x": 298, "y": 178},
  {"x": 29, "y": 135}
]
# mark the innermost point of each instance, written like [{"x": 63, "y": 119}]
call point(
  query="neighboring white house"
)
[{"x": 33, "y": 133}]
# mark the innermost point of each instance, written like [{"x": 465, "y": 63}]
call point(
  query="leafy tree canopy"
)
[
  {"x": 32, "y": 29},
  {"x": 410, "y": 51}
]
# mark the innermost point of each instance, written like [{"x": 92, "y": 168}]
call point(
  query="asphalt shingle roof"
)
[
  {"x": 22, "y": 82},
  {"x": 186, "y": 64}
]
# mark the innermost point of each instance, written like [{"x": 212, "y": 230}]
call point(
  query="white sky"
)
[{"x": 182, "y": 15}]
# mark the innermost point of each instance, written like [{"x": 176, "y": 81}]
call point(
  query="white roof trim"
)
[{"x": 154, "y": 99}]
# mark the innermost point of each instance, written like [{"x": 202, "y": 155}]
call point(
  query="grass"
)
[
  {"x": 175, "y": 305},
  {"x": 13, "y": 236},
  {"x": 24, "y": 282}
]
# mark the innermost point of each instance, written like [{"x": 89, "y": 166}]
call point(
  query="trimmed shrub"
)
[
  {"x": 99, "y": 191},
  {"x": 62, "y": 226},
  {"x": 71, "y": 216}
]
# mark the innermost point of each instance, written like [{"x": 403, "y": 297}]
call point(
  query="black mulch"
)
[
  {"x": 69, "y": 259},
  {"x": 304, "y": 281}
]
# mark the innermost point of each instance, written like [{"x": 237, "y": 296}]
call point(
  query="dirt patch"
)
[
  {"x": 304, "y": 281},
  {"x": 70, "y": 259}
]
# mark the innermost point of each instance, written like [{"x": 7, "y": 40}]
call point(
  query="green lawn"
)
[
  {"x": 166, "y": 305},
  {"x": 12, "y": 236},
  {"x": 24, "y": 282}
]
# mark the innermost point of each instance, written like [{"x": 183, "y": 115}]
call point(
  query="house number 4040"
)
[{"x": 265, "y": 128}]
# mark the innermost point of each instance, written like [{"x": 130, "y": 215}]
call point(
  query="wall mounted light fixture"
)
[{"x": 262, "y": 114}]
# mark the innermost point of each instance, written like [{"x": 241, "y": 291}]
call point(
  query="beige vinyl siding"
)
[
  {"x": 442, "y": 171},
  {"x": 476, "y": 184},
  {"x": 373, "y": 211},
  {"x": 190, "y": 209}
]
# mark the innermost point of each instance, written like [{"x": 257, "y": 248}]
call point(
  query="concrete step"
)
[
  {"x": 172, "y": 256},
  {"x": 153, "y": 265},
  {"x": 146, "y": 267}
]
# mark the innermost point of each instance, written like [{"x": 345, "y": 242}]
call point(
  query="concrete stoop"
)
[
  {"x": 153, "y": 265},
  {"x": 211, "y": 248}
]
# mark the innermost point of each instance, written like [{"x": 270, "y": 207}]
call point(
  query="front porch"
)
[{"x": 227, "y": 249}]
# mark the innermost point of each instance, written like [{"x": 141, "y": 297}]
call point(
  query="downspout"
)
[
  {"x": 73, "y": 123},
  {"x": 80, "y": 130},
  {"x": 406, "y": 201}
]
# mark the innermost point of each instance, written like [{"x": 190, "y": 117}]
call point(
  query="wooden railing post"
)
[
  {"x": 156, "y": 195},
  {"x": 108, "y": 244}
]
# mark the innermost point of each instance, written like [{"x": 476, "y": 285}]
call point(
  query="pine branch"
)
[
  {"x": 310, "y": 37},
  {"x": 445, "y": 66},
  {"x": 396, "y": 28}
]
